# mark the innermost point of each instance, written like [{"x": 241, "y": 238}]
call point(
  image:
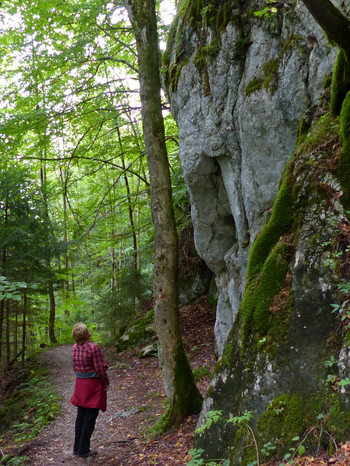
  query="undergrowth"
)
[{"x": 31, "y": 405}]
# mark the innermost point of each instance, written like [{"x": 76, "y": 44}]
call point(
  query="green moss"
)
[
  {"x": 280, "y": 318},
  {"x": 242, "y": 44},
  {"x": 188, "y": 399},
  {"x": 340, "y": 82},
  {"x": 303, "y": 128},
  {"x": 174, "y": 73},
  {"x": 284, "y": 419},
  {"x": 347, "y": 338},
  {"x": 254, "y": 85},
  {"x": 200, "y": 15},
  {"x": 338, "y": 418},
  {"x": 268, "y": 82},
  {"x": 223, "y": 17},
  {"x": 327, "y": 81},
  {"x": 137, "y": 332},
  {"x": 270, "y": 70},
  {"x": 320, "y": 131},
  {"x": 261, "y": 292},
  {"x": 343, "y": 170},
  {"x": 212, "y": 49},
  {"x": 280, "y": 223},
  {"x": 290, "y": 418},
  {"x": 225, "y": 358}
]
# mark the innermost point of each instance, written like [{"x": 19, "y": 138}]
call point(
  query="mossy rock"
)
[
  {"x": 139, "y": 331},
  {"x": 254, "y": 85},
  {"x": 280, "y": 223},
  {"x": 343, "y": 171},
  {"x": 340, "y": 82}
]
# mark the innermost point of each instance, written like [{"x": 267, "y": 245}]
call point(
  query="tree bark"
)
[
  {"x": 332, "y": 21},
  {"x": 51, "y": 292},
  {"x": 8, "y": 344},
  {"x": 2, "y": 307},
  {"x": 52, "y": 313},
  {"x": 179, "y": 384},
  {"x": 24, "y": 328}
]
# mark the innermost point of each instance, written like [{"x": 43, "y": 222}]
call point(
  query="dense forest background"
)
[
  {"x": 77, "y": 240},
  {"x": 93, "y": 199}
]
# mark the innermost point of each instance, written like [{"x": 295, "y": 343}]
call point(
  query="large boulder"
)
[{"x": 239, "y": 85}]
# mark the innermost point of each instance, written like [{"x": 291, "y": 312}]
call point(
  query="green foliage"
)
[
  {"x": 10, "y": 290},
  {"x": 210, "y": 418},
  {"x": 202, "y": 372},
  {"x": 116, "y": 308},
  {"x": 268, "y": 11},
  {"x": 29, "y": 408},
  {"x": 340, "y": 82}
]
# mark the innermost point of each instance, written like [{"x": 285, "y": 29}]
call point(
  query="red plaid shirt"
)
[{"x": 88, "y": 357}]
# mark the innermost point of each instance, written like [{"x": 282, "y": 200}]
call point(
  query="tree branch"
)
[{"x": 332, "y": 21}]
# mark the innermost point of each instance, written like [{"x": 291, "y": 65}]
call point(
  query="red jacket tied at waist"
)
[{"x": 89, "y": 392}]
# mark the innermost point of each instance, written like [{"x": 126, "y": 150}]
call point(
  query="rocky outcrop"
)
[
  {"x": 287, "y": 358},
  {"x": 248, "y": 93},
  {"x": 239, "y": 85}
]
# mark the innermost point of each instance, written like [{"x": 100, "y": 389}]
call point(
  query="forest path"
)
[
  {"x": 136, "y": 399},
  {"x": 114, "y": 434}
]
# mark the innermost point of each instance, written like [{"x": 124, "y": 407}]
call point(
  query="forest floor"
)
[{"x": 136, "y": 400}]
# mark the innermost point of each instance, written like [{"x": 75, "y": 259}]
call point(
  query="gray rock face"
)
[
  {"x": 283, "y": 377},
  {"x": 238, "y": 131}
]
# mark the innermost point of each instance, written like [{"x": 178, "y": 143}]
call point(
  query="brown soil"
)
[{"x": 136, "y": 399}]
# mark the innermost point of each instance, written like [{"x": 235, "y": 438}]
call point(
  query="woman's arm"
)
[{"x": 100, "y": 365}]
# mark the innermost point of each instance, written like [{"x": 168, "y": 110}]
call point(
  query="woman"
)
[{"x": 91, "y": 385}]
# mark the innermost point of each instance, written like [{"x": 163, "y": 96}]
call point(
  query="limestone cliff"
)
[
  {"x": 238, "y": 86},
  {"x": 269, "y": 181}
]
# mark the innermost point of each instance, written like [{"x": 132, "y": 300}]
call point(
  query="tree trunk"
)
[
  {"x": 52, "y": 313},
  {"x": 50, "y": 284},
  {"x": 15, "y": 337},
  {"x": 24, "y": 327},
  {"x": 131, "y": 213},
  {"x": 8, "y": 345},
  {"x": 3, "y": 264},
  {"x": 332, "y": 21},
  {"x": 180, "y": 387}
]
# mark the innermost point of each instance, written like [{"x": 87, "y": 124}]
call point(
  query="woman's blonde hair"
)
[{"x": 80, "y": 333}]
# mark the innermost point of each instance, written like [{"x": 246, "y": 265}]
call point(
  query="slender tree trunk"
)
[
  {"x": 2, "y": 307},
  {"x": 180, "y": 387},
  {"x": 52, "y": 313},
  {"x": 113, "y": 265},
  {"x": 15, "y": 339},
  {"x": 3, "y": 264},
  {"x": 51, "y": 292},
  {"x": 8, "y": 345},
  {"x": 24, "y": 327},
  {"x": 332, "y": 21},
  {"x": 131, "y": 210}
]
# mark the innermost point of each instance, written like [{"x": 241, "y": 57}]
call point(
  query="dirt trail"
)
[
  {"x": 118, "y": 429},
  {"x": 136, "y": 400}
]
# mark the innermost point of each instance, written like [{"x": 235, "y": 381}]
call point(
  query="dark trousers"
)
[{"x": 84, "y": 427}]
